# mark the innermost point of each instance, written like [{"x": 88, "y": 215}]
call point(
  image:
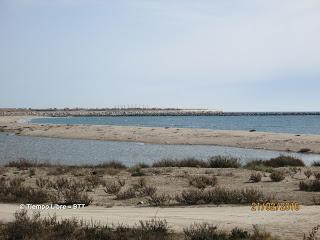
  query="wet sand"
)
[{"x": 157, "y": 135}]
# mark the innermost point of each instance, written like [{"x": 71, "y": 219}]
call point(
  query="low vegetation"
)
[
  {"x": 277, "y": 176},
  {"x": 35, "y": 227},
  {"x": 205, "y": 231},
  {"x": 224, "y": 162},
  {"x": 310, "y": 186},
  {"x": 316, "y": 164},
  {"x": 188, "y": 162},
  {"x": 255, "y": 177},
  {"x": 202, "y": 181},
  {"x": 219, "y": 195}
]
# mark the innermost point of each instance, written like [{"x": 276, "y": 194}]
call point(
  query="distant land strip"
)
[{"x": 82, "y": 112}]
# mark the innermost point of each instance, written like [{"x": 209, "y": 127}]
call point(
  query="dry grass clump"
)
[
  {"x": 35, "y": 227},
  {"x": 111, "y": 164},
  {"x": 219, "y": 195},
  {"x": 188, "y": 162},
  {"x": 277, "y": 176},
  {"x": 258, "y": 165},
  {"x": 255, "y": 177},
  {"x": 312, "y": 234},
  {"x": 310, "y": 186},
  {"x": 203, "y": 181},
  {"x": 206, "y": 231},
  {"x": 126, "y": 194},
  {"x": 224, "y": 162},
  {"x": 317, "y": 175}
]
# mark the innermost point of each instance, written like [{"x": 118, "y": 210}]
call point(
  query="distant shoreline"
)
[{"x": 139, "y": 112}]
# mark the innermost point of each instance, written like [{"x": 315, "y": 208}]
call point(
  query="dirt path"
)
[{"x": 288, "y": 225}]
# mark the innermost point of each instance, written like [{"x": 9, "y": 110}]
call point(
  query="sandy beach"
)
[{"x": 156, "y": 135}]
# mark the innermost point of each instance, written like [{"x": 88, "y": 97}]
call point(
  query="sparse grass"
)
[
  {"x": 310, "y": 186},
  {"x": 202, "y": 181},
  {"x": 111, "y": 164},
  {"x": 35, "y": 227},
  {"x": 94, "y": 181},
  {"x": 277, "y": 176},
  {"x": 255, "y": 177},
  {"x": 224, "y": 162},
  {"x": 219, "y": 195}
]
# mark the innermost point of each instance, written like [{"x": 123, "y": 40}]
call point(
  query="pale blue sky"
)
[{"x": 235, "y": 55}]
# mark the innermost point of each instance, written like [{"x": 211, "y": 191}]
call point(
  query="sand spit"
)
[{"x": 157, "y": 135}]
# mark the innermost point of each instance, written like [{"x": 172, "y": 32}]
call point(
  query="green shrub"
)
[{"x": 224, "y": 162}]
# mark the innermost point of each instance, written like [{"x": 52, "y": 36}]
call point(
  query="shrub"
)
[
  {"x": 255, "y": 177},
  {"x": 258, "y": 165},
  {"x": 190, "y": 197},
  {"x": 73, "y": 196},
  {"x": 316, "y": 164},
  {"x": 204, "y": 231},
  {"x": 219, "y": 195},
  {"x": 23, "y": 163},
  {"x": 42, "y": 182},
  {"x": 202, "y": 181},
  {"x": 94, "y": 181},
  {"x": 13, "y": 190},
  {"x": 136, "y": 171},
  {"x": 224, "y": 162},
  {"x": 284, "y": 161},
  {"x": 113, "y": 188},
  {"x": 35, "y": 227},
  {"x": 159, "y": 199},
  {"x": 111, "y": 164},
  {"x": 310, "y": 186},
  {"x": 148, "y": 191},
  {"x": 317, "y": 175},
  {"x": 312, "y": 234},
  {"x": 277, "y": 176},
  {"x": 308, "y": 173},
  {"x": 188, "y": 162},
  {"x": 126, "y": 194}
]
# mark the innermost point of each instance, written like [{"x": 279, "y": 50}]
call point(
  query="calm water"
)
[
  {"x": 69, "y": 151},
  {"x": 303, "y": 124}
]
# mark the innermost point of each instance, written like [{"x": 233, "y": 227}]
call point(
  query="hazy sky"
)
[{"x": 248, "y": 55}]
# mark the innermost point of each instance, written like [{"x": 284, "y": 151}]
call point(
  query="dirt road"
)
[{"x": 288, "y": 225}]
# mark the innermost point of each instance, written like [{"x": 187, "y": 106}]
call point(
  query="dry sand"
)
[
  {"x": 287, "y": 225},
  {"x": 241, "y": 139}
]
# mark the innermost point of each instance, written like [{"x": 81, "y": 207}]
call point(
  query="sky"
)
[{"x": 229, "y": 55}]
